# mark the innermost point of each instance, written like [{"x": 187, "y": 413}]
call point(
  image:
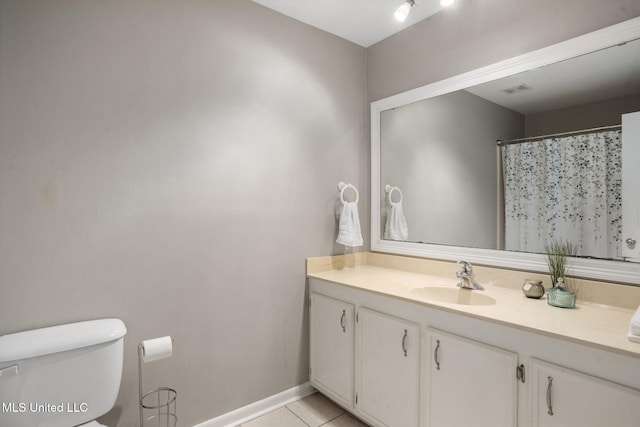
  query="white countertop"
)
[{"x": 589, "y": 323}]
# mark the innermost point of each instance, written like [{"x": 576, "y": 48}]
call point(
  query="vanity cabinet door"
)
[
  {"x": 331, "y": 347},
  {"x": 562, "y": 397},
  {"x": 388, "y": 364},
  {"x": 469, "y": 383}
]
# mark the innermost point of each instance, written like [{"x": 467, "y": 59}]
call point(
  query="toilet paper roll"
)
[{"x": 156, "y": 349}]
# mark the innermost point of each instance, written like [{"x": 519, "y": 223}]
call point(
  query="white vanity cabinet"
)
[
  {"x": 332, "y": 330},
  {"x": 563, "y": 397},
  {"x": 397, "y": 363},
  {"x": 469, "y": 383},
  {"x": 388, "y": 369}
]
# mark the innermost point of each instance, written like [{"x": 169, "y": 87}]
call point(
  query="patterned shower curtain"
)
[{"x": 566, "y": 188}]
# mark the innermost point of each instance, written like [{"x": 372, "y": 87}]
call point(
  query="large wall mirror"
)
[{"x": 492, "y": 165}]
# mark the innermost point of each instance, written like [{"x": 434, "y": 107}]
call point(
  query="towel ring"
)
[
  {"x": 342, "y": 187},
  {"x": 389, "y": 189}
]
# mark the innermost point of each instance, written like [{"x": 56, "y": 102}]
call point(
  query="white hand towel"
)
[
  {"x": 396, "y": 226},
  {"x": 633, "y": 338},
  {"x": 634, "y": 328},
  {"x": 349, "y": 233}
]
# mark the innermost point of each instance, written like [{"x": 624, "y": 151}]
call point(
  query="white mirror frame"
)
[{"x": 610, "y": 271}]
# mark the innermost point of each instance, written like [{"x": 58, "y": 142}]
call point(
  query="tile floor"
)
[{"x": 312, "y": 411}]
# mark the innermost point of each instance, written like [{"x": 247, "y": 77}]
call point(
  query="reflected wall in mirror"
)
[
  {"x": 437, "y": 144},
  {"x": 442, "y": 153}
]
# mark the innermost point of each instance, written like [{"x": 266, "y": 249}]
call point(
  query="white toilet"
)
[{"x": 61, "y": 376}]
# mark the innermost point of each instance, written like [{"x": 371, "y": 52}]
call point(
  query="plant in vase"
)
[{"x": 558, "y": 252}]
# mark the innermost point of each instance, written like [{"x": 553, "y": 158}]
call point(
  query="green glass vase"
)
[{"x": 559, "y": 296}]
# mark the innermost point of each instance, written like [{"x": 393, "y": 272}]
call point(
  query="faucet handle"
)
[
  {"x": 466, "y": 266},
  {"x": 467, "y": 276}
]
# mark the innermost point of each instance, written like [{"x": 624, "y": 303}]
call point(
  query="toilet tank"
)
[{"x": 60, "y": 376}]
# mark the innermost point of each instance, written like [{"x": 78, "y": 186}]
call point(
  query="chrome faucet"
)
[{"x": 468, "y": 279}]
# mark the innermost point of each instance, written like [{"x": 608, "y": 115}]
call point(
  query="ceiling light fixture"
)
[
  {"x": 403, "y": 10},
  {"x": 446, "y": 3}
]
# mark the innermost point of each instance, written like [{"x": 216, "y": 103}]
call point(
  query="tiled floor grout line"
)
[
  {"x": 286, "y": 406},
  {"x": 334, "y": 418},
  {"x": 315, "y": 409}
]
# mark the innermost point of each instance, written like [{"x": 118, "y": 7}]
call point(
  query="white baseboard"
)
[{"x": 253, "y": 410}]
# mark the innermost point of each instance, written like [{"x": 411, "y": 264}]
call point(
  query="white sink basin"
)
[{"x": 454, "y": 296}]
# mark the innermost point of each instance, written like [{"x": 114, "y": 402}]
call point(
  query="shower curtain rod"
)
[{"x": 502, "y": 143}]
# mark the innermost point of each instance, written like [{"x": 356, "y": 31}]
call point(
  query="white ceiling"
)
[{"x": 364, "y": 22}]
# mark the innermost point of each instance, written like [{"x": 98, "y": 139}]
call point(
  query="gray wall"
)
[
  {"x": 172, "y": 164},
  {"x": 441, "y": 152},
  {"x": 472, "y": 34},
  {"x": 578, "y": 117}
]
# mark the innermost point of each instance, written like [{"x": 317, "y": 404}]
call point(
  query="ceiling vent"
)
[{"x": 517, "y": 89}]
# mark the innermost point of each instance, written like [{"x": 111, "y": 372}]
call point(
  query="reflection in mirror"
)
[
  {"x": 460, "y": 189},
  {"x": 395, "y": 227},
  {"x": 442, "y": 152},
  {"x": 566, "y": 187}
]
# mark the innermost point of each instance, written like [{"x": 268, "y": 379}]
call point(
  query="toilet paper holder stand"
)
[{"x": 160, "y": 402}]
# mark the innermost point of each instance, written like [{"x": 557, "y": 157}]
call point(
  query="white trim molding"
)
[
  {"x": 256, "y": 409},
  {"x": 605, "y": 270}
]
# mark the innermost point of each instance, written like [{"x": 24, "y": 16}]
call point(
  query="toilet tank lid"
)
[{"x": 55, "y": 339}]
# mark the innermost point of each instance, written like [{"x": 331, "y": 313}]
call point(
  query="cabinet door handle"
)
[
  {"x": 520, "y": 373},
  {"x": 404, "y": 343},
  {"x": 550, "y": 411},
  {"x": 435, "y": 355},
  {"x": 342, "y": 320}
]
